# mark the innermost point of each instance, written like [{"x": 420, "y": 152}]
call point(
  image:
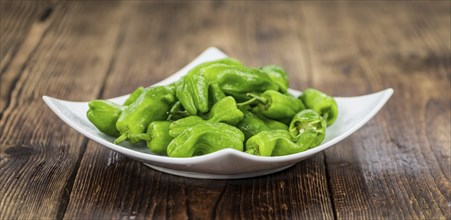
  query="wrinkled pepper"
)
[
  {"x": 206, "y": 138},
  {"x": 323, "y": 104},
  {"x": 225, "y": 111},
  {"x": 273, "y": 143},
  {"x": 275, "y": 105},
  {"x": 104, "y": 115},
  {"x": 134, "y": 96},
  {"x": 152, "y": 105},
  {"x": 272, "y": 124},
  {"x": 251, "y": 125},
  {"x": 238, "y": 79},
  {"x": 308, "y": 128},
  {"x": 193, "y": 88},
  {"x": 277, "y": 75},
  {"x": 157, "y": 137}
]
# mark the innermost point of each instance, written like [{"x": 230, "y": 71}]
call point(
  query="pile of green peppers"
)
[{"x": 217, "y": 105}]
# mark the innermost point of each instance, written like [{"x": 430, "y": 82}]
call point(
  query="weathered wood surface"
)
[{"x": 396, "y": 166}]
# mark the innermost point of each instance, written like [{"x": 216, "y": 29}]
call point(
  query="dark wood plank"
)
[
  {"x": 22, "y": 25},
  {"x": 109, "y": 185},
  {"x": 396, "y": 166},
  {"x": 39, "y": 153}
]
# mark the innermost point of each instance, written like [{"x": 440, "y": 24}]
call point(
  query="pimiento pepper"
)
[
  {"x": 251, "y": 125},
  {"x": 277, "y": 75},
  {"x": 308, "y": 128},
  {"x": 177, "y": 127},
  {"x": 206, "y": 138},
  {"x": 104, "y": 114},
  {"x": 226, "y": 111},
  {"x": 157, "y": 137},
  {"x": 323, "y": 104},
  {"x": 273, "y": 143},
  {"x": 193, "y": 88},
  {"x": 134, "y": 96},
  {"x": 275, "y": 105},
  {"x": 272, "y": 124},
  {"x": 152, "y": 105},
  {"x": 238, "y": 79}
]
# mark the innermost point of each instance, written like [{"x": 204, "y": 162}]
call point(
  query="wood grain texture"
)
[
  {"x": 38, "y": 152},
  {"x": 126, "y": 188},
  {"x": 22, "y": 25},
  {"x": 398, "y": 165}
]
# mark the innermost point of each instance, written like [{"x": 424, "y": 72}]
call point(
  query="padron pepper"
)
[
  {"x": 134, "y": 96},
  {"x": 104, "y": 115},
  {"x": 308, "y": 128},
  {"x": 277, "y": 75},
  {"x": 152, "y": 105},
  {"x": 251, "y": 125},
  {"x": 238, "y": 79},
  {"x": 157, "y": 137},
  {"x": 275, "y": 105},
  {"x": 193, "y": 88},
  {"x": 206, "y": 138},
  {"x": 272, "y": 124},
  {"x": 225, "y": 111},
  {"x": 323, "y": 104},
  {"x": 273, "y": 143}
]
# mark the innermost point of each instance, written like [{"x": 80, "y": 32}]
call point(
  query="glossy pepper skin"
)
[
  {"x": 157, "y": 137},
  {"x": 323, "y": 104},
  {"x": 104, "y": 115},
  {"x": 206, "y": 138},
  {"x": 275, "y": 105},
  {"x": 273, "y": 143},
  {"x": 277, "y": 75},
  {"x": 134, "y": 96},
  {"x": 308, "y": 128},
  {"x": 226, "y": 111},
  {"x": 273, "y": 124},
  {"x": 177, "y": 127},
  {"x": 238, "y": 79},
  {"x": 152, "y": 105},
  {"x": 193, "y": 89},
  {"x": 251, "y": 125}
]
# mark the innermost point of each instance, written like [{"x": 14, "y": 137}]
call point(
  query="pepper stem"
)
[
  {"x": 250, "y": 101},
  {"x": 120, "y": 139},
  {"x": 258, "y": 98}
]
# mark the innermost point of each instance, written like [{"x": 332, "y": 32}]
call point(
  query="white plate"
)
[{"x": 354, "y": 112}]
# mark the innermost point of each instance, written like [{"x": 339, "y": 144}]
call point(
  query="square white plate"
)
[{"x": 354, "y": 112}]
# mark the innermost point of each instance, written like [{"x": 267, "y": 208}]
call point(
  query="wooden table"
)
[{"x": 396, "y": 166}]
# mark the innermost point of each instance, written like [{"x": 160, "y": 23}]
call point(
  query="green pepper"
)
[
  {"x": 323, "y": 104},
  {"x": 177, "y": 112},
  {"x": 238, "y": 79},
  {"x": 308, "y": 128},
  {"x": 277, "y": 75},
  {"x": 193, "y": 88},
  {"x": 152, "y": 105},
  {"x": 275, "y": 105},
  {"x": 134, "y": 96},
  {"x": 251, "y": 125},
  {"x": 104, "y": 114},
  {"x": 226, "y": 111},
  {"x": 157, "y": 137},
  {"x": 206, "y": 138},
  {"x": 272, "y": 124},
  {"x": 177, "y": 127},
  {"x": 273, "y": 143}
]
